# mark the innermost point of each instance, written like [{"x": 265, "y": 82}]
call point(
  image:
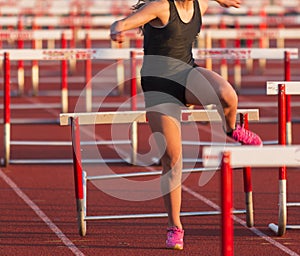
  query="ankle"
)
[{"x": 229, "y": 131}]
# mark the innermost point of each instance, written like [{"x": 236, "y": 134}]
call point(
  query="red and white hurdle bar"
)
[
  {"x": 89, "y": 35},
  {"x": 135, "y": 117},
  {"x": 106, "y": 21},
  {"x": 283, "y": 89},
  {"x": 57, "y": 7},
  {"x": 103, "y": 34},
  {"x": 117, "y": 54},
  {"x": 236, "y": 157},
  {"x": 89, "y": 54},
  {"x": 75, "y": 120}
]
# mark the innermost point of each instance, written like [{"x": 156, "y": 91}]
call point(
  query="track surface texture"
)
[{"x": 38, "y": 206}]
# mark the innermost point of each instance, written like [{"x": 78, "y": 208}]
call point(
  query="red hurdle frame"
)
[
  {"x": 78, "y": 176},
  {"x": 227, "y": 205}
]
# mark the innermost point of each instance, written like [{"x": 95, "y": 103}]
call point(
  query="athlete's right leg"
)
[{"x": 164, "y": 120}]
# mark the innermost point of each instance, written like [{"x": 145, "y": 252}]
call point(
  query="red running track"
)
[{"x": 38, "y": 212}]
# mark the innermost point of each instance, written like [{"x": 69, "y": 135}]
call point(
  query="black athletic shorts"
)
[{"x": 158, "y": 90}]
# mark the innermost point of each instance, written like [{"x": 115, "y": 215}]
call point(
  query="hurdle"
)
[
  {"x": 209, "y": 35},
  {"x": 106, "y": 20},
  {"x": 283, "y": 89},
  {"x": 74, "y": 120},
  {"x": 103, "y": 34},
  {"x": 246, "y": 54},
  {"x": 236, "y": 157},
  {"x": 109, "y": 54}
]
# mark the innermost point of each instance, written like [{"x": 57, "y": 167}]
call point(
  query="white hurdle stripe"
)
[
  {"x": 245, "y": 53},
  {"x": 103, "y": 34},
  {"x": 271, "y": 33},
  {"x": 55, "y": 34},
  {"x": 111, "y": 54},
  {"x": 267, "y": 156},
  {"x": 106, "y": 21},
  {"x": 291, "y": 88},
  {"x": 140, "y": 116}
]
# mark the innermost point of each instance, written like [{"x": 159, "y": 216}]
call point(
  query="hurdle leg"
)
[
  {"x": 282, "y": 211},
  {"x": 6, "y": 108},
  {"x": 282, "y": 217},
  {"x": 247, "y": 182},
  {"x": 133, "y": 92},
  {"x": 227, "y": 204},
  {"x": 88, "y": 77},
  {"x": 134, "y": 142},
  {"x": 35, "y": 69},
  {"x": 287, "y": 74},
  {"x": 64, "y": 81},
  {"x": 78, "y": 177},
  {"x": 21, "y": 72}
]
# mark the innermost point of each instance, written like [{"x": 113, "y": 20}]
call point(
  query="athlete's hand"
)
[
  {"x": 116, "y": 35},
  {"x": 230, "y": 3}
]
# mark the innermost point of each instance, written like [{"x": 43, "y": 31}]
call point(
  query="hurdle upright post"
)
[
  {"x": 247, "y": 181},
  {"x": 287, "y": 74},
  {"x": 21, "y": 72},
  {"x": 88, "y": 76},
  {"x": 237, "y": 63},
  {"x": 226, "y": 204},
  {"x": 35, "y": 66},
  {"x": 64, "y": 75},
  {"x": 249, "y": 44},
  {"x": 74, "y": 29},
  {"x": 78, "y": 176},
  {"x": 264, "y": 40},
  {"x": 6, "y": 108},
  {"x": 208, "y": 45},
  {"x": 133, "y": 92},
  {"x": 223, "y": 66},
  {"x": 282, "y": 217}
]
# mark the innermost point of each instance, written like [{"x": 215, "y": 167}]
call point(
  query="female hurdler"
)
[{"x": 170, "y": 79}]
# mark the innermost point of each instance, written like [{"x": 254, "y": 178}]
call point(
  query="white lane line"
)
[
  {"x": 41, "y": 215},
  {"x": 241, "y": 222}
]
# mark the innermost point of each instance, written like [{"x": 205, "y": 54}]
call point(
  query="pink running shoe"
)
[
  {"x": 246, "y": 137},
  {"x": 175, "y": 238}
]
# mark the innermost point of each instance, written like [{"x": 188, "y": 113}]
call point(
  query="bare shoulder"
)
[
  {"x": 161, "y": 9},
  {"x": 203, "y": 5},
  {"x": 161, "y": 5}
]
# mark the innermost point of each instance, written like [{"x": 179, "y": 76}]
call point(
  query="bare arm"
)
[
  {"x": 230, "y": 3},
  {"x": 223, "y": 3},
  {"x": 150, "y": 11}
]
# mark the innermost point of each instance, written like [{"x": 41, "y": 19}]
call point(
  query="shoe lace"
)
[
  {"x": 244, "y": 135},
  {"x": 172, "y": 233}
]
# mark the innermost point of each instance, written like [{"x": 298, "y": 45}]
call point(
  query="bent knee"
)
[{"x": 228, "y": 96}]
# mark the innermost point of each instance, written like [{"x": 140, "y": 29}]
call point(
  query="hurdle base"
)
[
  {"x": 81, "y": 217},
  {"x": 156, "y": 215}
]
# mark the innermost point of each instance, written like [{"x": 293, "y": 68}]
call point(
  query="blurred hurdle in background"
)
[
  {"x": 237, "y": 157},
  {"x": 206, "y": 39},
  {"x": 75, "y": 120},
  {"x": 89, "y": 54},
  {"x": 283, "y": 89}
]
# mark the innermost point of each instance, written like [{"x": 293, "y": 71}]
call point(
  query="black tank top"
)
[{"x": 175, "y": 40}]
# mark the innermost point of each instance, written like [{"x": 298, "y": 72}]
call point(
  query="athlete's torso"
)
[{"x": 176, "y": 38}]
